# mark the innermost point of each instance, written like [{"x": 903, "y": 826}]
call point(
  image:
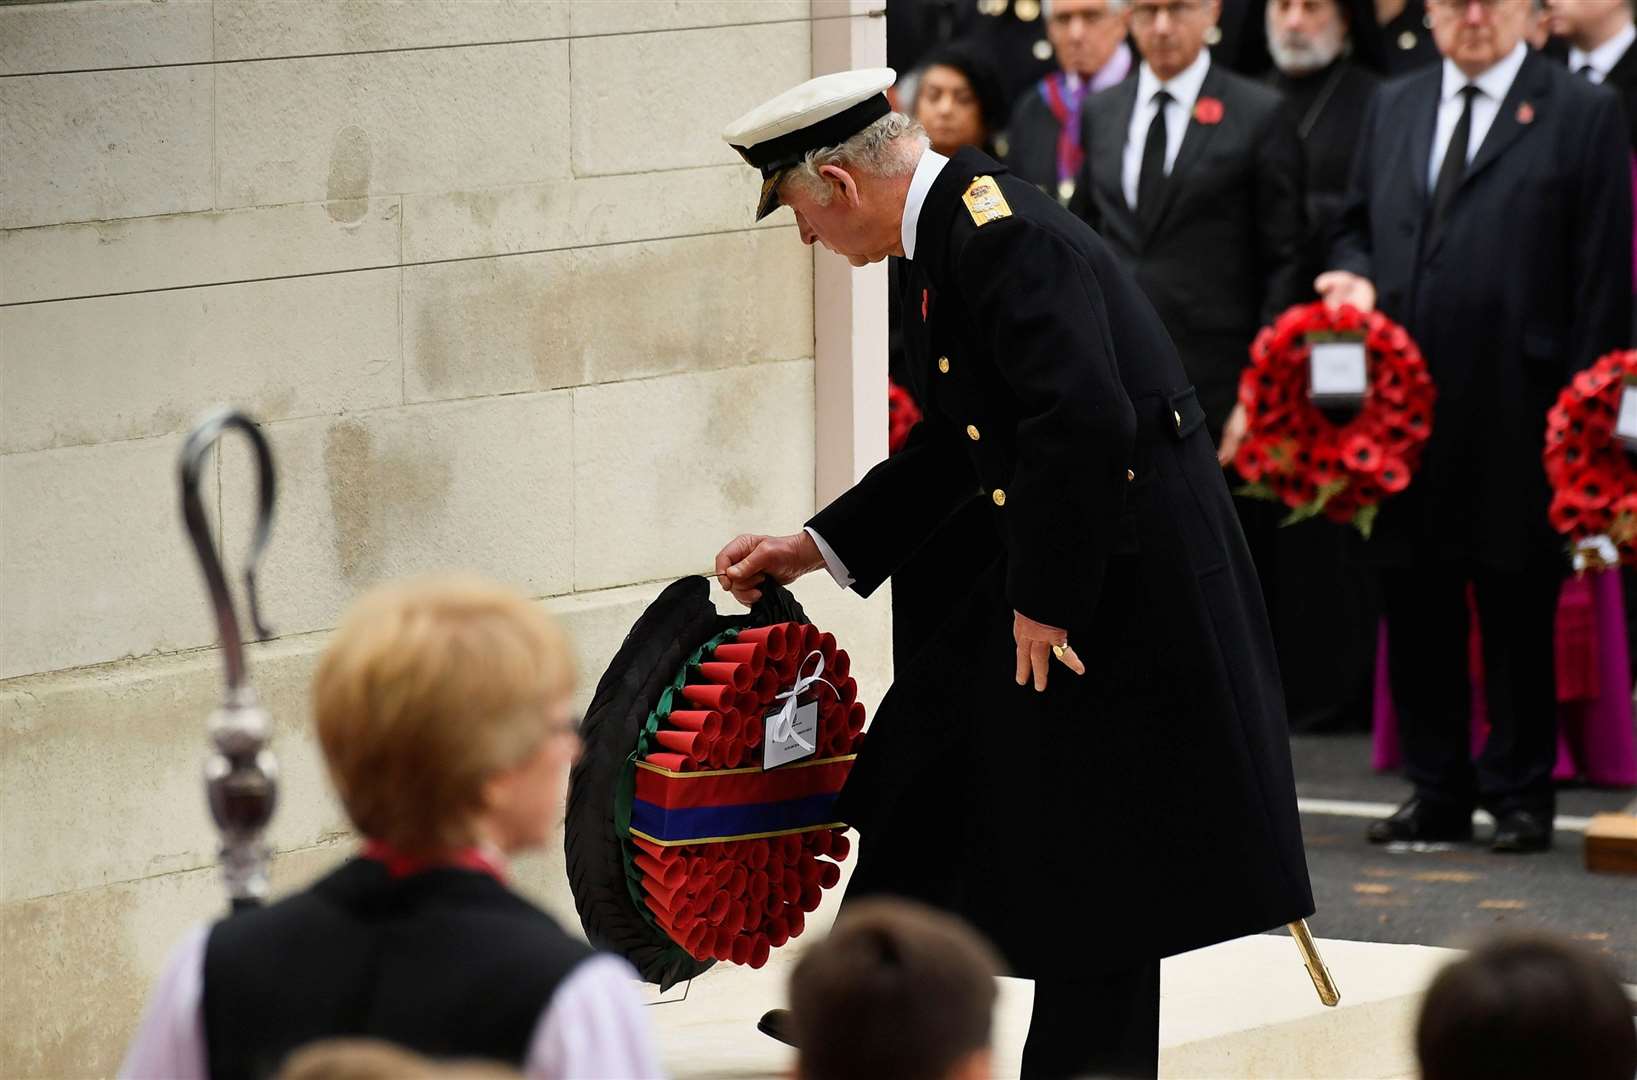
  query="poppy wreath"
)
[
  {"x": 1295, "y": 454},
  {"x": 1593, "y": 480},
  {"x": 682, "y": 850}
]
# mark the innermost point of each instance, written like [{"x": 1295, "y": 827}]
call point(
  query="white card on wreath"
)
[
  {"x": 781, "y": 748},
  {"x": 1625, "y": 422},
  {"x": 1337, "y": 370}
]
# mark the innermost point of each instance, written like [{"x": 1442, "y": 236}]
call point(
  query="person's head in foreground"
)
[
  {"x": 958, "y": 99},
  {"x": 1475, "y": 35},
  {"x": 834, "y": 152},
  {"x": 1526, "y": 1007},
  {"x": 444, "y": 711},
  {"x": 1171, "y": 34},
  {"x": 897, "y": 990}
]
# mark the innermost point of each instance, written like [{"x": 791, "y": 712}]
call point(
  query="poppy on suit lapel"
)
[
  {"x": 1526, "y": 113},
  {"x": 1208, "y": 110}
]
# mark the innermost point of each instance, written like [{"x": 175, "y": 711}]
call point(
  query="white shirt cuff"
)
[{"x": 832, "y": 561}]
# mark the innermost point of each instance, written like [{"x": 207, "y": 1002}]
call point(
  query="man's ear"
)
[{"x": 843, "y": 182}]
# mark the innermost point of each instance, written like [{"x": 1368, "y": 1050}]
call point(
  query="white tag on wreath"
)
[
  {"x": 1337, "y": 372},
  {"x": 1625, "y": 423}
]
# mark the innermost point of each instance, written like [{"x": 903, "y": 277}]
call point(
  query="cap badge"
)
[{"x": 984, "y": 201}]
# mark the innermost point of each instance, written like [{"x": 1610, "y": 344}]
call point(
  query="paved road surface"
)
[{"x": 1454, "y": 895}]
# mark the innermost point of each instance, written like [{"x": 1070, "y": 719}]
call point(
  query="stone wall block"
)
[
  {"x": 104, "y": 145},
  {"x": 604, "y": 314},
  {"x": 262, "y": 28},
  {"x": 628, "y": 16},
  {"x": 340, "y": 129},
  {"x": 95, "y": 258},
  {"x": 113, "y": 757},
  {"x": 107, "y": 572},
  {"x": 122, "y": 367},
  {"x": 668, "y": 470},
  {"x": 641, "y": 104},
  {"x": 582, "y": 212},
  {"x": 112, "y": 33},
  {"x": 481, "y": 486}
]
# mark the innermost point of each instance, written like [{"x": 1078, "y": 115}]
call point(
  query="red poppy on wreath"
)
[
  {"x": 1208, "y": 110},
  {"x": 1313, "y": 460}
]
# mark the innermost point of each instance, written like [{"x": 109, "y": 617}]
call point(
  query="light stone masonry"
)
[
  {"x": 126, "y": 367},
  {"x": 668, "y": 470},
  {"x": 482, "y": 485},
  {"x": 345, "y": 128},
  {"x": 632, "y": 16},
  {"x": 664, "y": 115},
  {"x": 602, "y": 314},
  {"x": 111, "y": 33},
  {"x": 137, "y": 254},
  {"x": 574, "y": 213},
  {"x": 256, "y": 28},
  {"x": 107, "y": 145},
  {"x": 93, "y": 562}
]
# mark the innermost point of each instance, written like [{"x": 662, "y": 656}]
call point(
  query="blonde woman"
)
[{"x": 443, "y": 708}]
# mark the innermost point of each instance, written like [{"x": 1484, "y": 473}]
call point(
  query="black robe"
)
[{"x": 1148, "y": 807}]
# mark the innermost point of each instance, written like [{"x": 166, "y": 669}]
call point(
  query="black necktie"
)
[
  {"x": 1151, "y": 178},
  {"x": 1454, "y": 166}
]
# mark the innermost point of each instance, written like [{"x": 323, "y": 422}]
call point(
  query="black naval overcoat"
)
[{"x": 1148, "y": 807}]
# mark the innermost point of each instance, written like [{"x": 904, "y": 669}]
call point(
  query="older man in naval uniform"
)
[{"x": 1089, "y": 760}]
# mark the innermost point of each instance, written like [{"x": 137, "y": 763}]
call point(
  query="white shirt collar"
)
[
  {"x": 926, "y": 171},
  {"x": 1494, "y": 81},
  {"x": 1183, "y": 87},
  {"x": 1603, "y": 58}
]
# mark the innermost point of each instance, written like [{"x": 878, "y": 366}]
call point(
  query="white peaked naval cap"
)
[{"x": 821, "y": 112}]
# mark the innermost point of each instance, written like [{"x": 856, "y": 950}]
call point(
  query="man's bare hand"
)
[
  {"x": 750, "y": 560},
  {"x": 1233, "y": 433},
  {"x": 1340, "y": 288},
  {"x": 1034, "y": 650}
]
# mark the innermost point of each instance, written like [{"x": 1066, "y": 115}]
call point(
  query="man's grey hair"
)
[
  {"x": 1114, "y": 7},
  {"x": 892, "y": 146}
]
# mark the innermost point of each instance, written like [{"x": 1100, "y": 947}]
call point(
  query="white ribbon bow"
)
[{"x": 784, "y": 723}]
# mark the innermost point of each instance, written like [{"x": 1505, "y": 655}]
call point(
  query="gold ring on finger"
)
[{"x": 1059, "y": 650}]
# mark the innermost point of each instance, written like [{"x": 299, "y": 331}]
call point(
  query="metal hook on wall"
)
[{"x": 241, "y": 774}]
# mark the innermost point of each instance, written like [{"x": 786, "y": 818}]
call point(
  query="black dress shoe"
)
[
  {"x": 775, "y": 1024},
  {"x": 1520, "y": 832},
  {"x": 1419, "y": 820}
]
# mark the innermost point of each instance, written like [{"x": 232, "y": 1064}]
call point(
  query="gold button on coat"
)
[
  {"x": 972, "y": 432},
  {"x": 1130, "y": 475},
  {"x": 999, "y": 496},
  {"x": 1178, "y": 418},
  {"x": 943, "y": 364}
]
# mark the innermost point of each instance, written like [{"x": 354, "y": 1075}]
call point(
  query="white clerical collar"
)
[
  {"x": 1495, "y": 81},
  {"x": 1603, "y": 58},
  {"x": 926, "y": 171},
  {"x": 1183, "y": 87}
]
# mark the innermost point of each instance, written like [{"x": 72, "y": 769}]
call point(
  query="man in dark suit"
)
[
  {"x": 1600, "y": 36},
  {"x": 1490, "y": 214},
  {"x": 1194, "y": 180},
  {"x": 1043, "y": 137},
  {"x": 1094, "y": 742}
]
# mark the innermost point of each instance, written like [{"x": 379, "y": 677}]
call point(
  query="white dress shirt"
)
[
  {"x": 926, "y": 171},
  {"x": 1184, "y": 90},
  {"x": 1492, "y": 86},
  {"x": 1602, "y": 59},
  {"x": 593, "y": 1027}
]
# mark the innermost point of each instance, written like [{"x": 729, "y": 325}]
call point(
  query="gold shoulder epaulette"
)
[{"x": 984, "y": 201}]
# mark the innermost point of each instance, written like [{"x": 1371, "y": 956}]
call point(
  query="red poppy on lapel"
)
[
  {"x": 1208, "y": 110},
  {"x": 923, "y": 304},
  {"x": 1526, "y": 113}
]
